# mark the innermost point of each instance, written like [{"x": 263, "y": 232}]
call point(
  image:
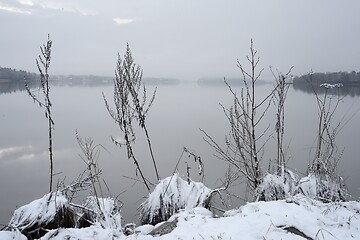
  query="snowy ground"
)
[{"x": 295, "y": 218}]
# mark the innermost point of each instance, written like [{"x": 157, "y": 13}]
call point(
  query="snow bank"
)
[
  {"x": 296, "y": 218},
  {"x": 274, "y": 220},
  {"x": 171, "y": 195}
]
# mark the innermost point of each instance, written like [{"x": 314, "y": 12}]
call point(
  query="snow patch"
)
[{"x": 12, "y": 235}]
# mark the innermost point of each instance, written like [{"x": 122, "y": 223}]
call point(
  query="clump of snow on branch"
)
[
  {"x": 323, "y": 187},
  {"x": 276, "y": 187},
  {"x": 331, "y": 86},
  {"x": 172, "y": 194},
  {"x": 102, "y": 211}
]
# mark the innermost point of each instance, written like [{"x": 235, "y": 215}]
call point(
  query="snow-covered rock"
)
[{"x": 49, "y": 212}]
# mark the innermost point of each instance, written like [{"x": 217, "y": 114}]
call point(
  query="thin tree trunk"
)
[{"x": 151, "y": 152}]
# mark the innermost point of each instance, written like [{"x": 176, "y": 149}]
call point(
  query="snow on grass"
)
[
  {"x": 170, "y": 195},
  {"x": 277, "y": 187},
  {"x": 104, "y": 211},
  {"x": 322, "y": 187}
]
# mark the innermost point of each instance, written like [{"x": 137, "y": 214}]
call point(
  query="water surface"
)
[{"x": 173, "y": 122}]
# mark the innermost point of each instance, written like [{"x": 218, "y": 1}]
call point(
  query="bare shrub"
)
[
  {"x": 129, "y": 107},
  {"x": 245, "y": 145},
  {"x": 326, "y": 148},
  {"x": 327, "y": 185}
]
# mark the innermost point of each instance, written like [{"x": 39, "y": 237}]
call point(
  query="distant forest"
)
[
  {"x": 311, "y": 82},
  {"x": 12, "y": 80},
  {"x": 9, "y": 74},
  {"x": 346, "y": 78}
]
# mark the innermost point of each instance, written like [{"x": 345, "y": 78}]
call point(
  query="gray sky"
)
[{"x": 186, "y": 39}]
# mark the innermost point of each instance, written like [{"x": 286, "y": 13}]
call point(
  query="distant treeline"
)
[
  {"x": 334, "y": 77},
  {"x": 9, "y": 74},
  {"x": 12, "y": 80},
  {"x": 311, "y": 82}
]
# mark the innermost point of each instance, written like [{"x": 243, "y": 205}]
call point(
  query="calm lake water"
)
[{"x": 173, "y": 122}]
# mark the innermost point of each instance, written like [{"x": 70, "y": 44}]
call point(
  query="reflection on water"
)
[
  {"x": 173, "y": 122},
  {"x": 9, "y": 86},
  {"x": 352, "y": 90}
]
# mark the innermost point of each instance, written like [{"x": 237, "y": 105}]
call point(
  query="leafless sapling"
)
[
  {"x": 43, "y": 65},
  {"x": 244, "y": 144},
  {"x": 281, "y": 183},
  {"x": 281, "y": 89}
]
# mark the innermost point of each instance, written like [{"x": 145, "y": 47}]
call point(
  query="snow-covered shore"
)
[{"x": 297, "y": 217}]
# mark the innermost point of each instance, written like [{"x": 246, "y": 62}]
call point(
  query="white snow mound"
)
[
  {"x": 40, "y": 211},
  {"x": 172, "y": 194}
]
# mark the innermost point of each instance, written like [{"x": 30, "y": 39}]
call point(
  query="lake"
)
[{"x": 173, "y": 122}]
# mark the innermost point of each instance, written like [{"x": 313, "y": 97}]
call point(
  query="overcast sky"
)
[{"x": 185, "y": 39}]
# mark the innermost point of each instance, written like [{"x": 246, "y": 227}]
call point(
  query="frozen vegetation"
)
[
  {"x": 296, "y": 217},
  {"x": 171, "y": 195}
]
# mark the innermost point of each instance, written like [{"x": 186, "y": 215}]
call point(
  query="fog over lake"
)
[{"x": 174, "y": 120}]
